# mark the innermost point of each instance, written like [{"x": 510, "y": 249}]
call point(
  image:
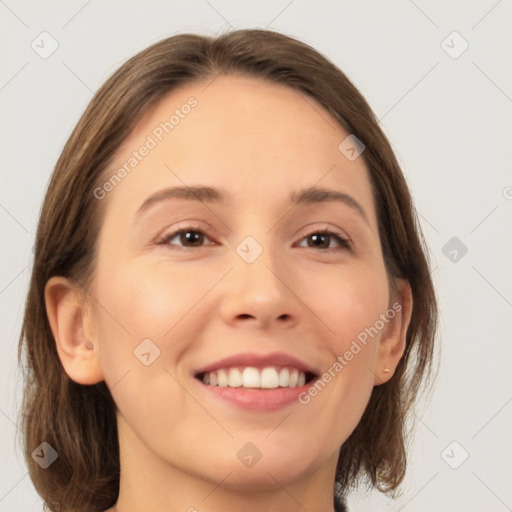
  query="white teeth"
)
[
  {"x": 223, "y": 378},
  {"x": 269, "y": 378},
  {"x": 294, "y": 377},
  {"x": 284, "y": 377},
  {"x": 250, "y": 377},
  {"x": 235, "y": 378}
]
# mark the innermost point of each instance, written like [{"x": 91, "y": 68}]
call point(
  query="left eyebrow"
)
[
  {"x": 315, "y": 195},
  {"x": 308, "y": 196}
]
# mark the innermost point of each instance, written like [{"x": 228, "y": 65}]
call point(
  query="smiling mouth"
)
[{"x": 250, "y": 377}]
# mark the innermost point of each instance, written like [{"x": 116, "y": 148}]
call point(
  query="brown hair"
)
[{"x": 78, "y": 421}]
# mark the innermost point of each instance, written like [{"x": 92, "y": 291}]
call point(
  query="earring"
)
[
  {"x": 386, "y": 370},
  {"x": 89, "y": 345}
]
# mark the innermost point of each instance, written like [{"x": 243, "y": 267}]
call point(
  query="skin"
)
[{"x": 259, "y": 141}]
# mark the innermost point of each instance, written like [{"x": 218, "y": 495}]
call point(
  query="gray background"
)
[{"x": 448, "y": 118}]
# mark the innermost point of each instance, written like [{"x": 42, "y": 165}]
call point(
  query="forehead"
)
[{"x": 246, "y": 134}]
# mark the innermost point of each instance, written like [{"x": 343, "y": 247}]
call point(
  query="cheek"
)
[
  {"x": 149, "y": 316},
  {"x": 139, "y": 329},
  {"x": 130, "y": 319},
  {"x": 145, "y": 302},
  {"x": 350, "y": 304},
  {"x": 348, "y": 301}
]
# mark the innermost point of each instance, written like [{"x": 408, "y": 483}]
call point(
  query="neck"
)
[{"x": 150, "y": 483}]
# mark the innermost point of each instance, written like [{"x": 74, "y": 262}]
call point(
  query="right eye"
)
[{"x": 188, "y": 235}]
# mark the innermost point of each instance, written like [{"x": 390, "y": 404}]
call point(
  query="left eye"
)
[
  {"x": 196, "y": 237},
  {"x": 319, "y": 237}
]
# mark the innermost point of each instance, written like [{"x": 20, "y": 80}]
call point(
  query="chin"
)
[{"x": 262, "y": 476}]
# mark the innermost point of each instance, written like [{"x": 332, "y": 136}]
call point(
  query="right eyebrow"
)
[{"x": 196, "y": 193}]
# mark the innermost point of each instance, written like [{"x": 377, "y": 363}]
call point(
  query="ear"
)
[
  {"x": 393, "y": 340},
  {"x": 70, "y": 323}
]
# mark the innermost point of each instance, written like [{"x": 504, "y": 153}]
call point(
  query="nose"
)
[{"x": 260, "y": 292}]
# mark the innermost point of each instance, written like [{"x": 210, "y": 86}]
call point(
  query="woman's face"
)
[{"x": 252, "y": 277}]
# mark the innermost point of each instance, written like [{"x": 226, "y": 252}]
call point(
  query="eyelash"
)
[{"x": 343, "y": 241}]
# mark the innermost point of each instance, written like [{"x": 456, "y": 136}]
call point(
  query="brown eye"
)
[
  {"x": 322, "y": 240},
  {"x": 187, "y": 237}
]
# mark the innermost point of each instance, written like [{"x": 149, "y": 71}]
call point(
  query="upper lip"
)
[{"x": 259, "y": 361}]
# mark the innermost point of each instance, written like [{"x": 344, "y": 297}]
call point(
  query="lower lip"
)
[{"x": 257, "y": 399}]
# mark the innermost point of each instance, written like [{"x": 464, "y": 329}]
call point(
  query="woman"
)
[{"x": 231, "y": 304}]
